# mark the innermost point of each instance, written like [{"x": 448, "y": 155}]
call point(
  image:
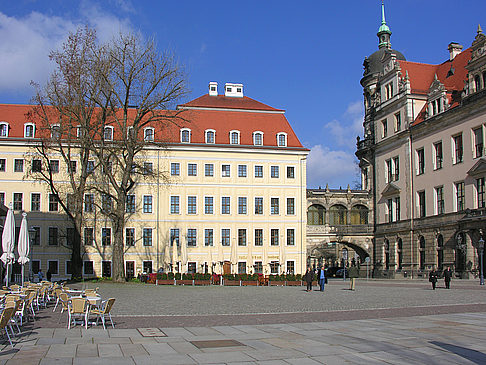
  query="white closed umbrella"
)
[
  {"x": 183, "y": 254},
  {"x": 24, "y": 244},
  {"x": 282, "y": 257},
  {"x": 210, "y": 248},
  {"x": 167, "y": 256},
  {"x": 250, "y": 258},
  {"x": 8, "y": 240},
  {"x": 175, "y": 256},
  {"x": 221, "y": 257},
  {"x": 234, "y": 255}
]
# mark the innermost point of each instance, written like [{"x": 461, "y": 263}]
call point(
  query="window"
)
[
  {"x": 422, "y": 253},
  {"x": 225, "y": 170},
  {"x": 281, "y": 139},
  {"x": 36, "y": 264},
  {"x": 191, "y": 237},
  {"x": 274, "y": 267},
  {"x": 291, "y": 267},
  {"x": 148, "y": 168},
  {"x": 438, "y": 155},
  {"x": 90, "y": 167},
  {"x": 3, "y": 129},
  {"x": 396, "y": 168},
  {"x": 398, "y": 122},
  {"x": 258, "y": 138},
  {"x": 234, "y": 137},
  {"x": 174, "y": 205},
  {"x": 70, "y": 236},
  {"x": 69, "y": 267},
  {"x": 439, "y": 198},
  {"x": 54, "y": 166},
  {"x": 18, "y": 165},
  {"x": 338, "y": 215},
  {"x": 130, "y": 203},
  {"x": 89, "y": 203},
  {"x": 208, "y": 237},
  {"x": 35, "y": 202},
  {"x": 388, "y": 91},
  {"x": 35, "y": 241},
  {"x": 397, "y": 209},
  {"x": 191, "y": 267},
  {"x": 242, "y": 205},
  {"x": 258, "y": 266},
  {"x": 106, "y": 236},
  {"x": 174, "y": 236},
  {"x": 106, "y": 203},
  {"x": 129, "y": 237},
  {"x": 258, "y": 237},
  {"x": 147, "y": 237},
  {"x": 290, "y": 172},
  {"x": 147, "y": 267},
  {"x": 88, "y": 236},
  {"x": 384, "y": 128},
  {"x": 18, "y": 201},
  {"x": 3, "y": 164},
  {"x": 53, "y": 267},
  {"x": 274, "y": 172},
  {"x": 315, "y": 215},
  {"x": 148, "y": 134},
  {"x": 389, "y": 206},
  {"x": 460, "y": 202},
  {"x": 88, "y": 268},
  {"x": 175, "y": 169},
  {"x": 191, "y": 205},
  {"x": 147, "y": 203},
  {"x": 241, "y": 237},
  {"x": 241, "y": 170},
  {"x": 458, "y": 148},
  {"x": 421, "y": 203},
  {"x": 480, "y": 192},
  {"x": 258, "y": 205},
  {"x": 290, "y": 206},
  {"x": 2, "y": 198},
  {"x": 274, "y": 206},
  {"x": 72, "y": 167},
  {"x": 108, "y": 134},
  {"x": 53, "y": 236},
  {"x": 478, "y": 142},
  {"x": 208, "y": 205},
  {"x": 191, "y": 169},
  {"x": 388, "y": 170},
  {"x": 210, "y": 134},
  {"x": 420, "y": 161},
  {"x": 242, "y": 267},
  {"x": 290, "y": 237},
  {"x": 225, "y": 205},
  {"x": 208, "y": 169},
  {"x": 36, "y": 166},
  {"x": 274, "y": 237},
  {"x": 359, "y": 214},
  {"x": 185, "y": 135},
  {"x": 225, "y": 237},
  {"x": 259, "y": 171}
]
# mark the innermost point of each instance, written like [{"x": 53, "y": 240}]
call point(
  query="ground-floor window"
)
[
  {"x": 290, "y": 267},
  {"x": 36, "y": 264},
  {"x": 88, "y": 268},
  {"x": 258, "y": 267},
  {"x": 106, "y": 269},
  {"x": 147, "y": 267},
  {"x": 53, "y": 267},
  {"x": 242, "y": 267},
  {"x": 274, "y": 267},
  {"x": 191, "y": 267},
  {"x": 69, "y": 268},
  {"x": 130, "y": 269}
]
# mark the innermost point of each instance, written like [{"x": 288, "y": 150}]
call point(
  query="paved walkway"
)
[{"x": 407, "y": 332}]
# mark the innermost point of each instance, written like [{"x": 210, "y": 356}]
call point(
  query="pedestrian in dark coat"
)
[
  {"x": 448, "y": 277},
  {"x": 49, "y": 275},
  {"x": 321, "y": 277},
  {"x": 433, "y": 277},
  {"x": 353, "y": 273},
  {"x": 309, "y": 277}
]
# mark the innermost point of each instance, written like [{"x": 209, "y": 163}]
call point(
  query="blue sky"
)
[{"x": 305, "y": 57}]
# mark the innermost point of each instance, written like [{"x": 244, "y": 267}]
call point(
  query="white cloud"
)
[
  {"x": 333, "y": 167},
  {"x": 344, "y": 131}
]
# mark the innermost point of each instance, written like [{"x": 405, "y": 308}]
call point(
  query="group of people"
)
[
  {"x": 321, "y": 278},
  {"x": 434, "y": 277}
]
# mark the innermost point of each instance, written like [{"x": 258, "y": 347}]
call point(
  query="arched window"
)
[
  {"x": 422, "y": 253},
  {"x": 29, "y": 130},
  {"x": 108, "y": 134},
  {"x": 258, "y": 138},
  {"x": 359, "y": 214},
  {"x": 210, "y": 136},
  {"x": 316, "y": 215},
  {"x": 234, "y": 137},
  {"x": 55, "y": 131},
  {"x": 148, "y": 134},
  {"x": 3, "y": 129},
  {"x": 338, "y": 215},
  {"x": 440, "y": 251},
  {"x": 400, "y": 253},
  {"x": 185, "y": 135},
  {"x": 282, "y": 139}
]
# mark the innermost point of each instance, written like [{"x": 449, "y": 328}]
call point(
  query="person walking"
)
[
  {"x": 353, "y": 273},
  {"x": 433, "y": 277},
  {"x": 321, "y": 277},
  {"x": 309, "y": 277},
  {"x": 448, "y": 277}
]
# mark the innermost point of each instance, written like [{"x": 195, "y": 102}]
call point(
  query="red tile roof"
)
[{"x": 228, "y": 102}]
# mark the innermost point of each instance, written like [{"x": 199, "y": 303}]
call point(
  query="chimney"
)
[
  {"x": 234, "y": 90},
  {"x": 213, "y": 88},
  {"x": 454, "y": 49}
]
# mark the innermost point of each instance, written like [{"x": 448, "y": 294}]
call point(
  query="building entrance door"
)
[
  {"x": 106, "y": 269},
  {"x": 227, "y": 267},
  {"x": 130, "y": 269}
]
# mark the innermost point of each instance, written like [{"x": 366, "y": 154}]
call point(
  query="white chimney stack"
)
[
  {"x": 454, "y": 49},
  {"x": 233, "y": 90},
  {"x": 213, "y": 88}
]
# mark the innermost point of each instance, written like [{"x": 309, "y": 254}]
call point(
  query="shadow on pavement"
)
[{"x": 471, "y": 355}]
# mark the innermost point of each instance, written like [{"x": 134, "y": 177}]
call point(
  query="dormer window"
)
[
  {"x": 3, "y": 129},
  {"x": 388, "y": 91},
  {"x": 108, "y": 134},
  {"x": 29, "y": 130},
  {"x": 210, "y": 136},
  {"x": 436, "y": 106},
  {"x": 282, "y": 139},
  {"x": 186, "y": 135},
  {"x": 258, "y": 138},
  {"x": 235, "y": 137},
  {"x": 148, "y": 134},
  {"x": 55, "y": 131},
  {"x": 477, "y": 83}
]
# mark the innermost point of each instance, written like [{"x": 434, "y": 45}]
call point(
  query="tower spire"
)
[{"x": 384, "y": 31}]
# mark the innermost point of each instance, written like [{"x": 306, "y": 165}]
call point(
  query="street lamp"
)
[{"x": 481, "y": 252}]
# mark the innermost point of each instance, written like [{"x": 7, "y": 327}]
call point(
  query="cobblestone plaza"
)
[{"x": 382, "y": 322}]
